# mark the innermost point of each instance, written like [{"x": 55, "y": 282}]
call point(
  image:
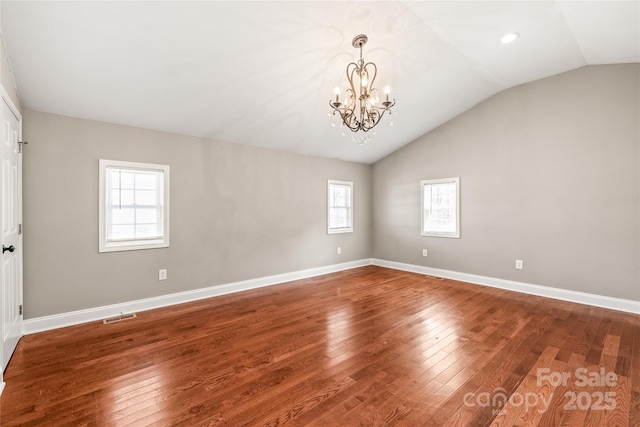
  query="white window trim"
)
[
  {"x": 423, "y": 183},
  {"x": 336, "y": 230},
  {"x": 103, "y": 245}
]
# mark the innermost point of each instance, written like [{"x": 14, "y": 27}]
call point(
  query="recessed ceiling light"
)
[{"x": 508, "y": 38}]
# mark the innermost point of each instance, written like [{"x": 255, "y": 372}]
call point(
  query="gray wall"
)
[
  {"x": 550, "y": 174},
  {"x": 237, "y": 213}
]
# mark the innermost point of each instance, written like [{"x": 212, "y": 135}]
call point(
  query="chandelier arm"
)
[
  {"x": 350, "y": 71},
  {"x": 352, "y": 120},
  {"x": 347, "y": 116},
  {"x": 373, "y": 117},
  {"x": 349, "y": 98},
  {"x": 349, "y": 120},
  {"x": 388, "y": 104},
  {"x": 354, "y": 94},
  {"x": 345, "y": 105},
  {"x": 366, "y": 121},
  {"x": 375, "y": 74}
]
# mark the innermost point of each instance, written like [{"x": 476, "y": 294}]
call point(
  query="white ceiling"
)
[{"x": 262, "y": 73}]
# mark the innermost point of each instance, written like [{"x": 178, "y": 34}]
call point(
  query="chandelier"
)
[{"x": 361, "y": 109}]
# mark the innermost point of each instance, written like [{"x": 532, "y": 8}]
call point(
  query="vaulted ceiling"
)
[{"x": 262, "y": 73}]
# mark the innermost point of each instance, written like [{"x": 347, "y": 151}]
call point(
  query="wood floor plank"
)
[
  {"x": 516, "y": 410},
  {"x": 367, "y": 346},
  {"x": 556, "y": 415}
]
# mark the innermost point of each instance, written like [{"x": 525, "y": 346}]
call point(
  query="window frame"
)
[
  {"x": 138, "y": 244},
  {"x": 430, "y": 233},
  {"x": 339, "y": 230}
]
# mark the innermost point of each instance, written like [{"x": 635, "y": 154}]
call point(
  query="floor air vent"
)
[
  {"x": 119, "y": 318},
  {"x": 433, "y": 277}
]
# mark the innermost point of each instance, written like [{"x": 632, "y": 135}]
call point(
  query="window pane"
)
[
  {"x": 134, "y": 205},
  {"x": 147, "y": 181},
  {"x": 147, "y": 231},
  {"x": 339, "y": 218},
  {"x": 146, "y": 197},
  {"x": 126, "y": 197},
  {"x": 340, "y": 196},
  {"x": 114, "y": 197},
  {"x": 126, "y": 178},
  {"x": 146, "y": 216},
  {"x": 440, "y": 209},
  {"x": 121, "y": 232},
  {"x": 122, "y": 216},
  {"x": 114, "y": 177},
  {"x": 340, "y": 200}
]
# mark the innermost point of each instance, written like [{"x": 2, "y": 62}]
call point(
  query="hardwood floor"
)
[{"x": 369, "y": 346}]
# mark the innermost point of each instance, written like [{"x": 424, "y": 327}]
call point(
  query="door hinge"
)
[
  {"x": 20, "y": 144},
  {"x": 19, "y": 228},
  {"x": 20, "y": 310}
]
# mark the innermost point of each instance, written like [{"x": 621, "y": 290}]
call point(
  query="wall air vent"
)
[{"x": 119, "y": 318}]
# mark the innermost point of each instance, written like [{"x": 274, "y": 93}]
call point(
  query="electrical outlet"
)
[
  {"x": 162, "y": 274},
  {"x": 339, "y": 250},
  {"x": 424, "y": 252},
  {"x": 519, "y": 264}
]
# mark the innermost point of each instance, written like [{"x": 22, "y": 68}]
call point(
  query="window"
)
[
  {"x": 441, "y": 207},
  {"x": 340, "y": 207},
  {"x": 133, "y": 206}
]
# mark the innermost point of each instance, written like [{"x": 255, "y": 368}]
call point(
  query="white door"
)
[{"x": 11, "y": 219}]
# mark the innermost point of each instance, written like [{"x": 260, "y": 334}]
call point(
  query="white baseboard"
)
[
  {"x": 55, "y": 321},
  {"x": 1, "y": 388},
  {"x": 618, "y": 304},
  {"x": 45, "y": 323}
]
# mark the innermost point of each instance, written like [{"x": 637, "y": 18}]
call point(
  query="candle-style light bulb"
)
[
  {"x": 386, "y": 91},
  {"x": 337, "y": 91}
]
